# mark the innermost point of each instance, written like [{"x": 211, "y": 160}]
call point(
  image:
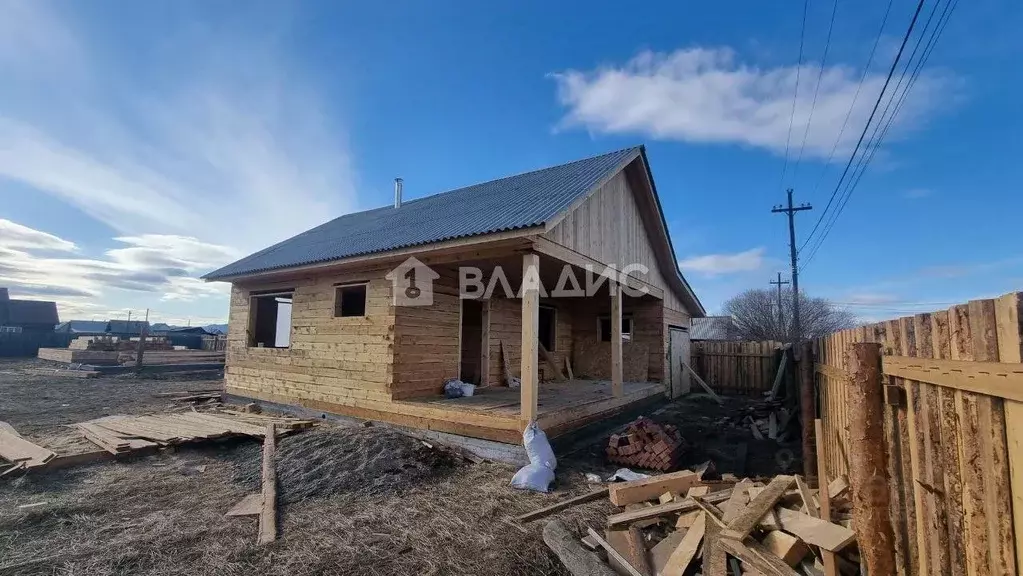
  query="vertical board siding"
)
[
  {"x": 608, "y": 227},
  {"x": 955, "y": 457},
  {"x": 737, "y": 368}
]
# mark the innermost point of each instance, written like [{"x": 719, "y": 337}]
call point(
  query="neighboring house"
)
[
  {"x": 712, "y": 328},
  {"x": 83, "y": 327},
  {"x": 26, "y": 315},
  {"x": 361, "y": 316},
  {"x": 127, "y": 328}
]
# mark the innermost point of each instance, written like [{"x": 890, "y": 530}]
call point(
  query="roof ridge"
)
[{"x": 510, "y": 176}]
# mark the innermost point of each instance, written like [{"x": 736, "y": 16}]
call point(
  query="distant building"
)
[
  {"x": 26, "y": 315},
  {"x": 127, "y": 328},
  {"x": 83, "y": 327},
  {"x": 712, "y": 328}
]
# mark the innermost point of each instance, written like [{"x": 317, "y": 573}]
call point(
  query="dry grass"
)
[{"x": 164, "y": 515}]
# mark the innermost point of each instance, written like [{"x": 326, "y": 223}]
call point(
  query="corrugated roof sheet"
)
[
  {"x": 511, "y": 203},
  {"x": 711, "y": 328}
]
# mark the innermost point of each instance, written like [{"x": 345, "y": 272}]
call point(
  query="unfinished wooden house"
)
[{"x": 369, "y": 314}]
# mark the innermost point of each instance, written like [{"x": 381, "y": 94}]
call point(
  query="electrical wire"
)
[
  {"x": 795, "y": 93},
  {"x": 817, "y": 88},
  {"x": 845, "y": 123},
  {"x": 872, "y": 147}
]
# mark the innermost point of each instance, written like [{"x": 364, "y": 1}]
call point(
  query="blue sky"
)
[{"x": 142, "y": 144}]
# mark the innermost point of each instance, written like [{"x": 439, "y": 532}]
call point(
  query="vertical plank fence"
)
[
  {"x": 953, "y": 432},
  {"x": 736, "y": 368}
]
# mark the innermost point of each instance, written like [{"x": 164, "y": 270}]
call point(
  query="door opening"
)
[{"x": 471, "y": 362}]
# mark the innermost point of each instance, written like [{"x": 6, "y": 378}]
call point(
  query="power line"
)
[
  {"x": 817, "y": 88},
  {"x": 873, "y": 112},
  {"x": 874, "y": 144},
  {"x": 797, "y": 335},
  {"x": 795, "y": 93},
  {"x": 845, "y": 123}
]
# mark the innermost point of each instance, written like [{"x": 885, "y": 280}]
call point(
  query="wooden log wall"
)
[
  {"x": 736, "y": 368},
  {"x": 954, "y": 455}
]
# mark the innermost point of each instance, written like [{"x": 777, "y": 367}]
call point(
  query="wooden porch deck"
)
[{"x": 562, "y": 406}]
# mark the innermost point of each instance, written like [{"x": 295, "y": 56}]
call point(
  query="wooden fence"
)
[
  {"x": 737, "y": 368},
  {"x": 27, "y": 344},
  {"x": 952, "y": 410}
]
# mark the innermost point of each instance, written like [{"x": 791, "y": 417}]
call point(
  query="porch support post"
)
[
  {"x": 530, "y": 327},
  {"x": 616, "y": 339}
]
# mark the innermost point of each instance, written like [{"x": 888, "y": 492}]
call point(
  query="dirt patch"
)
[{"x": 329, "y": 461}]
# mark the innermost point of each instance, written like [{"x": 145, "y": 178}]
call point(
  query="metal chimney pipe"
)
[{"x": 397, "y": 192}]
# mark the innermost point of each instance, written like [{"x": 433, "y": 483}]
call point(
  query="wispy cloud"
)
[
  {"x": 705, "y": 95},
  {"x": 193, "y": 156},
  {"x": 717, "y": 264}
]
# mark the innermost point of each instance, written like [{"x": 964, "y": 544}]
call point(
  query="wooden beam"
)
[
  {"x": 1009, "y": 326},
  {"x": 485, "y": 345},
  {"x": 824, "y": 495},
  {"x": 576, "y": 559},
  {"x": 612, "y": 553},
  {"x": 761, "y": 504},
  {"x": 530, "y": 326},
  {"x": 616, "y": 340},
  {"x": 786, "y": 546},
  {"x": 554, "y": 250},
  {"x": 686, "y": 551},
  {"x": 629, "y": 544},
  {"x": 1002, "y": 380},
  {"x": 678, "y": 507},
  {"x": 623, "y": 493},
  {"x": 867, "y": 459},
  {"x": 553, "y": 508},
  {"x": 710, "y": 392},
  {"x": 781, "y": 372},
  {"x": 804, "y": 493},
  {"x": 815, "y": 531},
  {"x": 807, "y": 408},
  {"x": 551, "y": 361},
  {"x": 268, "y": 515},
  {"x": 568, "y": 368}
]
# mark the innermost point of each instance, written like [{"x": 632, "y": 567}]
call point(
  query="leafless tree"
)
[{"x": 755, "y": 316}]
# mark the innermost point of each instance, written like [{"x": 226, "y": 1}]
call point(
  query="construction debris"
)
[
  {"x": 21, "y": 453},
  {"x": 121, "y": 434},
  {"x": 268, "y": 512},
  {"x": 647, "y": 444},
  {"x": 736, "y": 526}
]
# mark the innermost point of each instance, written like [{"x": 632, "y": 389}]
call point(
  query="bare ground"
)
[{"x": 352, "y": 500}]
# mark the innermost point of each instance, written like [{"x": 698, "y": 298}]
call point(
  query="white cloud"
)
[
  {"x": 16, "y": 236},
  {"x": 717, "y": 264},
  {"x": 203, "y": 146},
  {"x": 704, "y": 95}
]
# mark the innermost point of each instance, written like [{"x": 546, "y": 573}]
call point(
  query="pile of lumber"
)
[
  {"x": 647, "y": 444},
  {"x": 121, "y": 434},
  {"x": 682, "y": 524},
  {"x": 115, "y": 344},
  {"x": 20, "y": 453}
]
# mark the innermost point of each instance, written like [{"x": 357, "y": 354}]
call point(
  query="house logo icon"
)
[{"x": 412, "y": 283}]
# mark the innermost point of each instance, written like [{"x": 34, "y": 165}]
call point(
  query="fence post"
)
[
  {"x": 807, "y": 408},
  {"x": 868, "y": 473}
]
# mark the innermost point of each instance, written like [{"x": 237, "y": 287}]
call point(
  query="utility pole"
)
[
  {"x": 781, "y": 315},
  {"x": 791, "y": 212}
]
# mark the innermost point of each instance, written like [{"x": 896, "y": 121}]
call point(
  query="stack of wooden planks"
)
[
  {"x": 647, "y": 444},
  {"x": 121, "y": 434},
  {"x": 681, "y": 524},
  {"x": 21, "y": 453}
]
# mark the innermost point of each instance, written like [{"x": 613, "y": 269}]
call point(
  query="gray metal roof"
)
[
  {"x": 511, "y": 203},
  {"x": 711, "y": 328}
]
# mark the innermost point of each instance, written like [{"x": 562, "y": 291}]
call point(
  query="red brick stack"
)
[{"x": 647, "y": 444}]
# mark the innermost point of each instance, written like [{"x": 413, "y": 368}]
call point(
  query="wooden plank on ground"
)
[
  {"x": 738, "y": 500},
  {"x": 552, "y": 362},
  {"x": 14, "y": 448},
  {"x": 686, "y": 551},
  {"x": 815, "y": 531},
  {"x": 758, "y": 556},
  {"x": 629, "y": 544},
  {"x": 824, "y": 495},
  {"x": 623, "y": 493},
  {"x": 553, "y": 508},
  {"x": 744, "y": 523},
  {"x": 789, "y": 548},
  {"x": 662, "y": 551},
  {"x": 250, "y": 505},
  {"x": 687, "y": 505},
  {"x": 576, "y": 559},
  {"x": 612, "y": 553},
  {"x": 4, "y": 426},
  {"x": 809, "y": 506},
  {"x": 268, "y": 514}
]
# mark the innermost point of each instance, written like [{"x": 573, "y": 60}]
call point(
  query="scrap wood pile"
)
[
  {"x": 121, "y": 434},
  {"x": 647, "y": 444},
  {"x": 683, "y": 524}
]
